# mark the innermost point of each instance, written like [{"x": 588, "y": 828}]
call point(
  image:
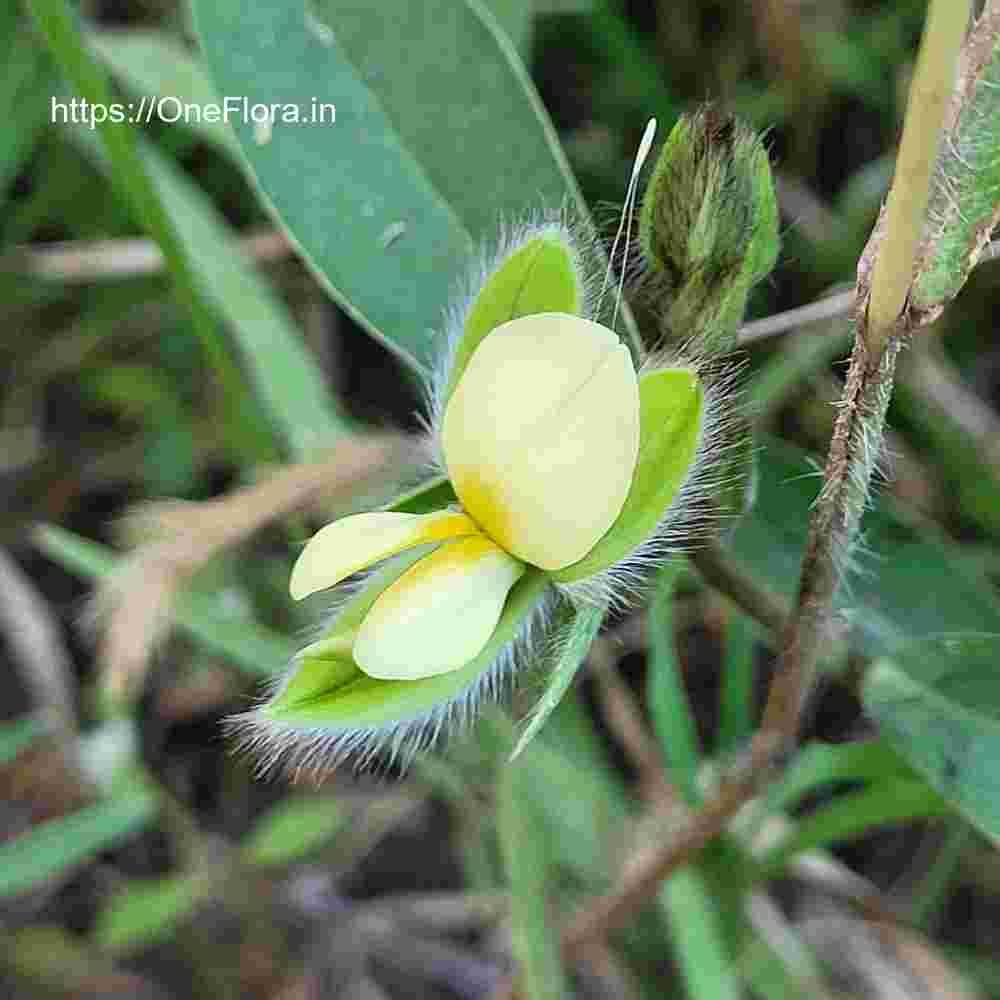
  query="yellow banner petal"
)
[
  {"x": 439, "y": 614},
  {"x": 352, "y": 543},
  {"x": 541, "y": 436}
]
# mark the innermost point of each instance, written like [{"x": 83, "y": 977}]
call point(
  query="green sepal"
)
[
  {"x": 671, "y": 414},
  {"x": 330, "y": 691},
  {"x": 326, "y": 664},
  {"x": 566, "y": 654},
  {"x": 435, "y": 494},
  {"x": 540, "y": 276}
]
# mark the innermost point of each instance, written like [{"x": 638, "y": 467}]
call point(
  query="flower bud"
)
[{"x": 709, "y": 226}]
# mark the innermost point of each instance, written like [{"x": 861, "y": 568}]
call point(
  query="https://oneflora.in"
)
[{"x": 568, "y": 471}]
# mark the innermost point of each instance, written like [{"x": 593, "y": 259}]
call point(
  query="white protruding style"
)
[{"x": 625, "y": 224}]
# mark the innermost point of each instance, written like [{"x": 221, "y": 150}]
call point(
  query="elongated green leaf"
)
[
  {"x": 153, "y": 65},
  {"x": 819, "y": 764},
  {"x": 250, "y": 646},
  {"x": 736, "y": 697},
  {"x": 26, "y": 85},
  {"x": 536, "y": 938},
  {"x": 668, "y": 701},
  {"x": 938, "y": 702},
  {"x": 146, "y": 912},
  {"x": 285, "y": 379},
  {"x": 907, "y": 583},
  {"x": 850, "y": 816},
  {"x": 699, "y": 943},
  {"x": 55, "y": 845},
  {"x": 131, "y": 180},
  {"x": 570, "y": 644},
  {"x": 428, "y": 153},
  {"x": 293, "y": 829}
]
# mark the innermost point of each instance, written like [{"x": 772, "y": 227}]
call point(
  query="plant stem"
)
[
  {"x": 857, "y": 438},
  {"x": 906, "y": 208}
]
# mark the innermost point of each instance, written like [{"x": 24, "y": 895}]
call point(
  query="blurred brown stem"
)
[{"x": 856, "y": 440}]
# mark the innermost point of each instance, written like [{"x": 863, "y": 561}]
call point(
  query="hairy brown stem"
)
[{"x": 854, "y": 450}]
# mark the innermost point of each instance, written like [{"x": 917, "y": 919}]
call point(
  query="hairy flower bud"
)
[{"x": 709, "y": 225}]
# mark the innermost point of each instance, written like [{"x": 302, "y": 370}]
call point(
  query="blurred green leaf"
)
[
  {"x": 850, "y": 816},
  {"x": 905, "y": 582},
  {"x": 570, "y": 644},
  {"x": 736, "y": 696},
  {"x": 292, "y": 829},
  {"x": 536, "y": 934},
  {"x": 699, "y": 942},
  {"x": 514, "y": 17},
  {"x": 57, "y": 844},
  {"x": 153, "y": 65},
  {"x": 668, "y": 700},
  {"x": 250, "y": 646},
  {"x": 938, "y": 702},
  {"x": 26, "y": 84},
  {"x": 819, "y": 764},
  {"x": 421, "y": 149},
  {"x": 139, "y": 391},
  {"x": 146, "y": 912},
  {"x": 132, "y": 182},
  {"x": 286, "y": 380}
]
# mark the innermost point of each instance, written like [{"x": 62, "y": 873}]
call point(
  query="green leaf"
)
[
  {"x": 965, "y": 198},
  {"x": 138, "y": 192},
  {"x": 851, "y": 816},
  {"x": 283, "y": 375},
  {"x": 411, "y": 154},
  {"x": 668, "y": 701},
  {"x": 736, "y": 696},
  {"x": 907, "y": 583},
  {"x": 151, "y": 64},
  {"x": 819, "y": 764},
  {"x": 671, "y": 412},
  {"x": 19, "y": 735},
  {"x": 430, "y": 496},
  {"x": 26, "y": 86},
  {"x": 540, "y": 276},
  {"x": 249, "y": 645},
  {"x": 146, "y": 912},
  {"x": 294, "y": 828},
  {"x": 938, "y": 702},
  {"x": 57, "y": 844},
  {"x": 699, "y": 941},
  {"x": 527, "y": 863},
  {"x": 571, "y": 644}
]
